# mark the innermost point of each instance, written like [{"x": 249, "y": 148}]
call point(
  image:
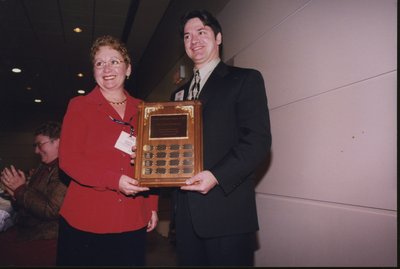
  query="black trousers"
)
[
  {"x": 79, "y": 248},
  {"x": 194, "y": 250}
]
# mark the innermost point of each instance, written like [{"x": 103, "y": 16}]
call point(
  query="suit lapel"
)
[
  {"x": 96, "y": 98},
  {"x": 214, "y": 83}
]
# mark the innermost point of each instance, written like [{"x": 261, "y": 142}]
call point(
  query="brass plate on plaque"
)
[{"x": 169, "y": 143}]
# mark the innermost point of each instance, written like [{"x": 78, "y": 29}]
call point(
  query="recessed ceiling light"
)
[
  {"x": 77, "y": 30},
  {"x": 38, "y": 100},
  {"x": 80, "y": 75},
  {"x": 81, "y": 91},
  {"x": 16, "y": 70},
  {"x": 28, "y": 88}
]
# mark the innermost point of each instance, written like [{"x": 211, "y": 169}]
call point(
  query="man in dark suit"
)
[{"x": 216, "y": 217}]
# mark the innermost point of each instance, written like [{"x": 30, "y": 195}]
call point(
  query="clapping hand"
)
[{"x": 12, "y": 179}]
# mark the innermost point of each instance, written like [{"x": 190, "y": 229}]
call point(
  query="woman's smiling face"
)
[{"x": 109, "y": 69}]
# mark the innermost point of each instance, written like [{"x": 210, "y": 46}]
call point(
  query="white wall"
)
[{"x": 329, "y": 196}]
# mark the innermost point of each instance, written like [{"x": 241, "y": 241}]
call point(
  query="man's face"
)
[
  {"x": 46, "y": 147},
  {"x": 201, "y": 45}
]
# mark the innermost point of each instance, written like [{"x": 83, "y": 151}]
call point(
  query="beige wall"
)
[{"x": 329, "y": 196}]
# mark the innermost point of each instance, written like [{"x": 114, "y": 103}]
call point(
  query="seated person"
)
[{"x": 32, "y": 241}]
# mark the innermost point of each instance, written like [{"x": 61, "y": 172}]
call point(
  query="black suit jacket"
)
[{"x": 236, "y": 138}]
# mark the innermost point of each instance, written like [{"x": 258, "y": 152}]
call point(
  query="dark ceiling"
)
[{"x": 37, "y": 36}]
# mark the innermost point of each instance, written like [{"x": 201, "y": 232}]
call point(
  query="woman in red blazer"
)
[{"x": 105, "y": 214}]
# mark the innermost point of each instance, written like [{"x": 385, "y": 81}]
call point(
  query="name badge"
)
[
  {"x": 179, "y": 95},
  {"x": 125, "y": 142}
]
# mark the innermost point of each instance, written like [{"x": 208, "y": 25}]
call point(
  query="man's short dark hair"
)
[
  {"x": 206, "y": 17},
  {"x": 51, "y": 129}
]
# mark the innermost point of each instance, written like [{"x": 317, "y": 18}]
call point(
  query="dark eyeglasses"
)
[{"x": 40, "y": 144}]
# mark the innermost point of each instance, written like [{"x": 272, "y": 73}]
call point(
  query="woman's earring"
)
[{"x": 127, "y": 76}]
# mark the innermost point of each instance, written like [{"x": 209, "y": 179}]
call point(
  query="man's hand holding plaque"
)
[{"x": 203, "y": 182}]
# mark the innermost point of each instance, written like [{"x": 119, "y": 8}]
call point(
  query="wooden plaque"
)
[{"x": 169, "y": 143}]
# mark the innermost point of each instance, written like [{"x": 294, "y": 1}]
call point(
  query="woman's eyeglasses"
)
[{"x": 113, "y": 63}]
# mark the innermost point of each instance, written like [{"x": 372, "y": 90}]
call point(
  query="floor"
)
[{"x": 160, "y": 251}]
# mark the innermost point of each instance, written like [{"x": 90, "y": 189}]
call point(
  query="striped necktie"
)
[{"x": 196, "y": 86}]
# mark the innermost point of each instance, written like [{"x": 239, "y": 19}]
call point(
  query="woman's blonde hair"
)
[{"x": 111, "y": 42}]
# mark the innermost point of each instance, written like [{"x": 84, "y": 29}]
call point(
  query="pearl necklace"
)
[{"x": 118, "y": 103}]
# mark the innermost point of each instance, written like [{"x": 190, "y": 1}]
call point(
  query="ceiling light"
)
[
  {"x": 80, "y": 75},
  {"x": 38, "y": 100},
  {"x": 77, "y": 30},
  {"x": 28, "y": 88},
  {"x": 81, "y": 91},
  {"x": 16, "y": 70}
]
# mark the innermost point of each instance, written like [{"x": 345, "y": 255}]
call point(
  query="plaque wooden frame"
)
[{"x": 169, "y": 144}]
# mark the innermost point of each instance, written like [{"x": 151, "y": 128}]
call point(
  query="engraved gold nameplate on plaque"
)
[{"x": 169, "y": 142}]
